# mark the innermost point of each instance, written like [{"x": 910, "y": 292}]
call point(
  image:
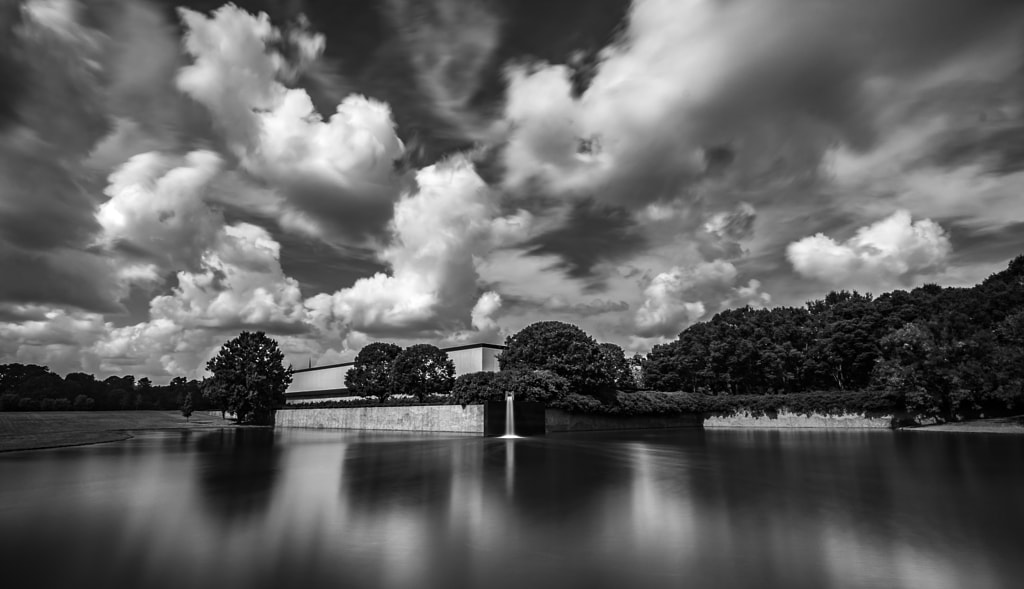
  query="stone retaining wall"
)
[
  {"x": 560, "y": 421},
  {"x": 785, "y": 420},
  {"x": 424, "y": 418}
]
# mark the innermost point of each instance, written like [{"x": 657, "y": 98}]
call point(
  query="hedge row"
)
[
  {"x": 655, "y": 403},
  {"x": 372, "y": 402}
]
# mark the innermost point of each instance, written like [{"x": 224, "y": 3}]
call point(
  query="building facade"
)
[{"x": 327, "y": 383}]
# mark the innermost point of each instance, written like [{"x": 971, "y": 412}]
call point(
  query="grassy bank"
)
[{"x": 55, "y": 429}]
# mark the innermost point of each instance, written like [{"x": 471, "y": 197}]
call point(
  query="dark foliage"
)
[
  {"x": 658, "y": 403},
  {"x": 615, "y": 365},
  {"x": 947, "y": 353},
  {"x": 249, "y": 371},
  {"x": 47, "y": 391},
  {"x": 561, "y": 348},
  {"x": 423, "y": 370},
  {"x": 539, "y": 386},
  {"x": 392, "y": 401},
  {"x": 371, "y": 374}
]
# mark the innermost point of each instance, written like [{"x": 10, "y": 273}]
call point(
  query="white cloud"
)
[
  {"x": 158, "y": 208},
  {"x": 684, "y": 295},
  {"x": 51, "y": 337},
  {"x": 485, "y": 310},
  {"x": 239, "y": 285},
  {"x": 341, "y": 171},
  {"x": 888, "y": 252},
  {"x": 438, "y": 232}
]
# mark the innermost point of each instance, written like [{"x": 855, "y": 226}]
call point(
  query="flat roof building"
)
[{"x": 327, "y": 383}]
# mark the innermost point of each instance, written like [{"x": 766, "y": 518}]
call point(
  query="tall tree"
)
[
  {"x": 250, "y": 370},
  {"x": 616, "y": 365},
  {"x": 371, "y": 373},
  {"x": 423, "y": 370},
  {"x": 561, "y": 348}
]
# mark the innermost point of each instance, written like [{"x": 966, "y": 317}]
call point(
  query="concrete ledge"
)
[
  {"x": 423, "y": 418},
  {"x": 560, "y": 421},
  {"x": 786, "y": 420}
]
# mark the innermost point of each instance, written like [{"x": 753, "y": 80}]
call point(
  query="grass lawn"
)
[
  {"x": 996, "y": 425},
  {"x": 53, "y": 429}
]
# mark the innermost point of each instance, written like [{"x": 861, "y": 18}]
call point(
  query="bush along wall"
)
[{"x": 871, "y": 403}]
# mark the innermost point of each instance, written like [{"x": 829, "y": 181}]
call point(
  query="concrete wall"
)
[
  {"x": 560, "y": 421},
  {"x": 424, "y": 418},
  {"x": 792, "y": 420}
]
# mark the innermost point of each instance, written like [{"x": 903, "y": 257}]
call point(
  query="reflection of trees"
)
[
  {"x": 237, "y": 470},
  {"x": 383, "y": 475},
  {"x": 552, "y": 480}
]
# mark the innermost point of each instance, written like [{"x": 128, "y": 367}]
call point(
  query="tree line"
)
[
  {"x": 948, "y": 353},
  {"x": 31, "y": 387},
  {"x": 945, "y": 352}
]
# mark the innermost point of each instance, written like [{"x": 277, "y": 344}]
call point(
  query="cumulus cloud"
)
[
  {"x": 890, "y": 251},
  {"x": 437, "y": 233},
  {"x": 239, "y": 285},
  {"x": 484, "y": 311},
  {"x": 775, "y": 82},
  {"x": 52, "y": 337},
  {"x": 158, "y": 211},
  {"x": 683, "y": 295},
  {"x": 341, "y": 170}
]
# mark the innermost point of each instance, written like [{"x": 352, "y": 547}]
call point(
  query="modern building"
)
[{"x": 327, "y": 383}]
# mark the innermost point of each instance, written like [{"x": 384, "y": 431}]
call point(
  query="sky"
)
[{"x": 338, "y": 172}]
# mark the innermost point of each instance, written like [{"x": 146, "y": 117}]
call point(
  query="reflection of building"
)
[{"x": 327, "y": 383}]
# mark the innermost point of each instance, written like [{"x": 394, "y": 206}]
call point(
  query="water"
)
[
  {"x": 510, "y": 419},
  {"x": 307, "y": 508}
]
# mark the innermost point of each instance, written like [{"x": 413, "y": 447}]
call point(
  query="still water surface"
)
[{"x": 306, "y": 508}]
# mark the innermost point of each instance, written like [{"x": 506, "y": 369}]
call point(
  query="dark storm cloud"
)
[
  {"x": 322, "y": 268},
  {"x": 592, "y": 233},
  {"x": 974, "y": 246},
  {"x": 62, "y": 277}
]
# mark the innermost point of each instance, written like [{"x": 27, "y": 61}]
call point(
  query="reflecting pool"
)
[{"x": 671, "y": 508}]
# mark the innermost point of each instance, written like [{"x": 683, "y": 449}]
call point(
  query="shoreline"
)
[
  {"x": 26, "y": 431},
  {"x": 995, "y": 425},
  {"x": 49, "y": 430}
]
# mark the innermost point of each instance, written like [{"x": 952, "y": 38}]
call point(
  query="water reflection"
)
[
  {"x": 236, "y": 470},
  {"x": 258, "y": 508}
]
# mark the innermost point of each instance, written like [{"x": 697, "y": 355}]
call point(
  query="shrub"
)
[
  {"x": 474, "y": 387},
  {"x": 83, "y": 403},
  {"x": 373, "y": 402},
  {"x": 61, "y": 405},
  {"x": 538, "y": 386},
  {"x": 28, "y": 404},
  {"x": 46, "y": 404},
  {"x": 656, "y": 403}
]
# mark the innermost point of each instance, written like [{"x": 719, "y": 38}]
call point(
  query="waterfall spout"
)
[{"x": 510, "y": 420}]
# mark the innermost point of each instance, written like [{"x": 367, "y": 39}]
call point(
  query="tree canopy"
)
[
  {"x": 423, "y": 370},
  {"x": 249, "y": 370},
  {"x": 562, "y": 348},
  {"x": 944, "y": 352},
  {"x": 371, "y": 374}
]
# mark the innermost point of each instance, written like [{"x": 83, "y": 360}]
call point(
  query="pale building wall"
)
[
  {"x": 474, "y": 359},
  {"x": 466, "y": 361},
  {"x": 489, "y": 359},
  {"x": 318, "y": 380}
]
